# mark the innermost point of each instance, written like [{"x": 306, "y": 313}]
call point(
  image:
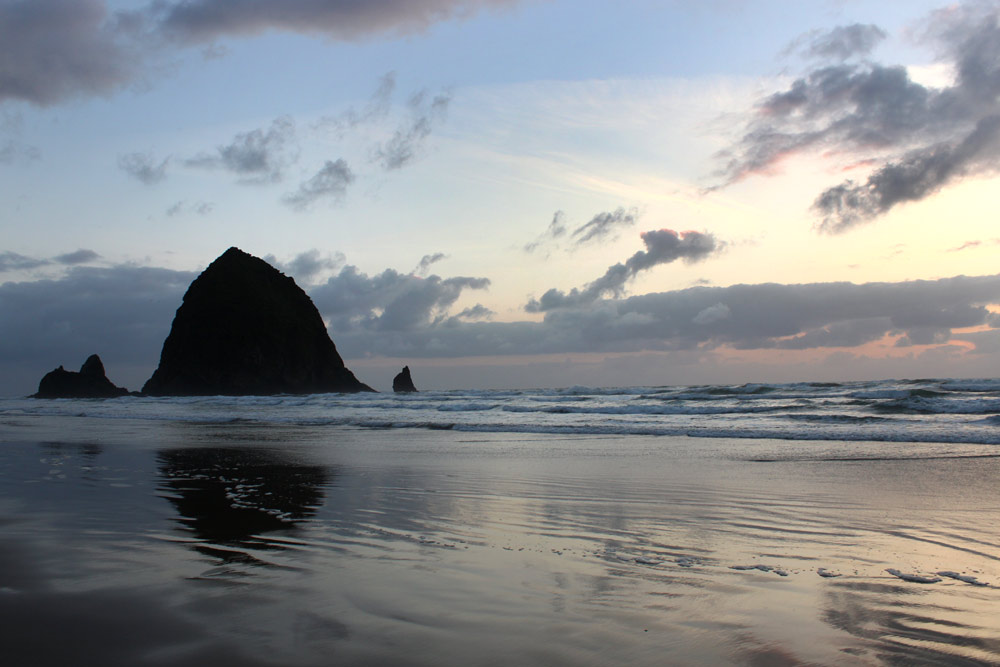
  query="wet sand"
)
[{"x": 132, "y": 543}]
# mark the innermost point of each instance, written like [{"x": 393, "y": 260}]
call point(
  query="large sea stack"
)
[
  {"x": 245, "y": 328},
  {"x": 90, "y": 382}
]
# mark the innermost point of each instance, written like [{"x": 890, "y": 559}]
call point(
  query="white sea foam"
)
[
  {"x": 913, "y": 578},
  {"x": 963, "y": 577}
]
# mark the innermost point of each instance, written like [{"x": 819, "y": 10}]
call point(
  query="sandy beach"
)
[{"x": 161, "y": 543}]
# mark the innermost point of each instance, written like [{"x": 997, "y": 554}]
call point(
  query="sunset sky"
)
[{"x": 506, "y": 193}]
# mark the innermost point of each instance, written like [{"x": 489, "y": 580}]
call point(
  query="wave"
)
[
  {"x": 652, "y": 409},
  {"x": 895, "y": 411},
  {"x": 947, "y": 406}
]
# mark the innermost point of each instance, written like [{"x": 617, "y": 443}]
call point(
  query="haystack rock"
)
[
  {"x": 90, "y": 382},
  {"x": 403, "y": 383},
  {"x": 245, "y": 328}
]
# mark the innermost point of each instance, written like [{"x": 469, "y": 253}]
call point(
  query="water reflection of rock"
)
[{"x": 229, "y": 497}]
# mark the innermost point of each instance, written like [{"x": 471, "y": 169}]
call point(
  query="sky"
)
[{"x": 512, "y": 193}]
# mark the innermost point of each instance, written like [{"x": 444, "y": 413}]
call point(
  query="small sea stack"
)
[
  {"x": 403, "y": 383},
  {"x": 90, "y": 382},
  {"x": 244, "y": 328}
]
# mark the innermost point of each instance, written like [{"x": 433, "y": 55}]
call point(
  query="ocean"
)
[{"x": 763, "y": 524}]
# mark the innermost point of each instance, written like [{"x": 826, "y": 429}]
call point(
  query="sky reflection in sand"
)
[{"x": 189, "y": 544}]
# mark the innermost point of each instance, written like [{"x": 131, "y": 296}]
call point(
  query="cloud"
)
[
  {"x": 919, "y": 139},
  {"x": 53, "y": 50},
  {"x": 122, "y": 313},
  {"x": 662, "y": 247},
  {"x": 406, "y": 142},
  {"x": 257, "y": 157},
  {"x": 206, "y": 20},
  {"x": 742, "y": 317},
  {"x": 390, "y": 301},
  {"x": 144, "y": 167},
  {"x": 81, "y": 256},
  {"x": 919, "y": 174},
  {"x": 182, "y": 207},
  {"x": 598, "y": 228},
  {"x": 476, "y": 312},
  {"x": 840, "y": 43},
  {"x": 603, "y": 225},
  {"x": 377, "y": 108},
  {"x": 307, "y": 266},
  {"x": 11, "y": 261},
  {"x": 426, "y": 261},
  {"x": 13, "y": 151},
  {"x": 555, "y": 230},
  {"x": 712, "y": 314},
  {"x": 329, "y": 182}
]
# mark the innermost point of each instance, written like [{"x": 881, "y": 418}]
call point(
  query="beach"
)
[{"x": 187, "y": 542}]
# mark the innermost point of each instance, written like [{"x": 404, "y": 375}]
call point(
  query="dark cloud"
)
[
  {"x": 745, "y": 317},
  {"x": 81, "y": 256},
  {"x": 329, "y": 182},
  {"x": 840, "y": 43},
  {"x": 390, "y": 301},
  {"x": 307, "y": 266},
  {"x": 406, "y": 142},
  {"x": 426, "y": 261},
  {"x": 919, "y": 174},
  {"x": 604, "y": 224},
  {"x": 53, "y": 50},
  {"x": 122, "y": 313},
  {"x": 144, "y": 167},
  {"x": 259, "y": 156},
  {"x": 919, "y": 138},
  {"x": 206, "y": 20},
  {"x": 662, "y": 247}
]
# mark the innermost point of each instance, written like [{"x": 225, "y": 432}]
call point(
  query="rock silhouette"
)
[
  {"x": 245, "y": 328},
  {"x": 403, "y": 383},
  {"x": 90, "y": 382}
]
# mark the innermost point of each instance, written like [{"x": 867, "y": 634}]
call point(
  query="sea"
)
[
  {"x": 851, "y": 523},
  {"x": 923, "y": 410}
]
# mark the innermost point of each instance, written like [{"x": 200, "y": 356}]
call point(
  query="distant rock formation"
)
[
  {"x": 403, "y": 383},
  {"x": 90, "y": 382},
  {"x": 245, "y": 328}
]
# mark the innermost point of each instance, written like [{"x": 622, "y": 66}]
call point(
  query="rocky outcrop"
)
[
  {"x": 90, "y": 382},
  {"x": 245, "y": 328},
  {"x": 403, "y": 383}
]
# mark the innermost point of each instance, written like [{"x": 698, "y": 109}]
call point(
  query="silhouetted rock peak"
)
[
  {"x": 93, "y": 367},
  {"x": 403, "y": 383},
  {"x": 90, "y": 382},
  {"x": 245, "y": 328}
]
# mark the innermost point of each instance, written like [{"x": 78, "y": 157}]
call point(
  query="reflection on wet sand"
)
[
  {"x": 907, "y": 624},
  {"x": 230, "y": 499}
]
